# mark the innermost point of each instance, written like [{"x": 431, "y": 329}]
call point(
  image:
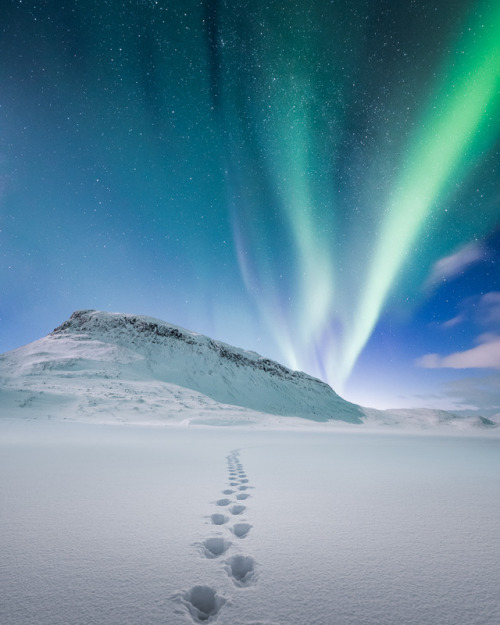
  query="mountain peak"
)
[
  {"x": 95, "y": 358},
  {"x": 137, "y": 329}
]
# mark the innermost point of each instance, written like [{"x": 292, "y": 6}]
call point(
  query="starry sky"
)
[{"x": 315, "y": 181}]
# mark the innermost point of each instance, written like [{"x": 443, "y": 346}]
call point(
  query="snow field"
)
[
  {"x": 126, "y": 525},
  {"x": 203, "y": 602}
]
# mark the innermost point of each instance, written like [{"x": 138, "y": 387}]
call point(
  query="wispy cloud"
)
[
  {"x": 486, "y": 355},
  {"x": 450, "y": 267},
  {"x": 484, "y": 312},
  {"x": 489, "y": 309},
  {"x": 480, "y": 392},
  {"x": 453, "y": 322}
]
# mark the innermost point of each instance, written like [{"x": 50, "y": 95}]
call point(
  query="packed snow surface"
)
[{"x": 120, "y": 525}]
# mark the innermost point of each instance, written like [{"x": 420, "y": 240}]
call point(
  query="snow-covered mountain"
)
[
  {"x": 119, "y": 367},
  {"x": 111, "y": 367}
]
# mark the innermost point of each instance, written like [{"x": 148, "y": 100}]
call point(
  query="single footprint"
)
[
  {"x": 242, "y": 496},
  {"x": 203, "y": 602},
  {"x": 241, "y": 569},
  {"x": 240, "y": 530},
  {"x": 243, "y": 481},
  {"x": 214, "y": 547},
  {"x": 219, "y": 519},
  {"x": 237, "y": 509},
  {"x": 243, "y": 487},
  {"x": 223, "y": 502},
  {"x": 233, "y": 483},
  {"x": 228, "y": 491}
]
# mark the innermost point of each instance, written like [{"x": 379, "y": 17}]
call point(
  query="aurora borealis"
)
[{"x": 316, "y": 182}]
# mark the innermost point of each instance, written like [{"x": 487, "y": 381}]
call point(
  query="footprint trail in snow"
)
[
  {"x": 202, "y": 602},
  {"x": 240, "y": 568}
]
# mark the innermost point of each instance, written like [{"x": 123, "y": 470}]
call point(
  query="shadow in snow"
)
[
  {"x": 203, "y": 603},
  {"x": 241, "y": 569},
  {"x": 240, "y": 530},
  {"x": 214, "y": 547},
  {"x": 237, "y": 509}
]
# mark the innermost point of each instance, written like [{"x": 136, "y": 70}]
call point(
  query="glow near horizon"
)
[{"x": 454, "y": 124}]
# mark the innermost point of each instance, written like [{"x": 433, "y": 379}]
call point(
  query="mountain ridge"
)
[
  {"x": 125, "y": 368},
  {"x": 82, "y": 319},
  {"x": 131, "y": 356}
]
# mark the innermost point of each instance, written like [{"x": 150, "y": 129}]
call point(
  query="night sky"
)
[{"x": 315, "y": 181}]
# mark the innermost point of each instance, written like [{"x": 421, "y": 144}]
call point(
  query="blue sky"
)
[{"x": 318, "y": 183}]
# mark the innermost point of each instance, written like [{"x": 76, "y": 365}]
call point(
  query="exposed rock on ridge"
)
[
  {"x": 140, "y": 327},
  {"x": 131, "y": 367}
]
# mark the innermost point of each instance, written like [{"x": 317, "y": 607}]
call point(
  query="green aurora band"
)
[
  {"x": 322, "y": 280},
  {"x": 453, "y": 134}
]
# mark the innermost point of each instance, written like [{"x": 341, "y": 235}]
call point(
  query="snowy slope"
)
[
  {"x": 118, "y": 367},
  {"x": 231, "y": 526},
  {"x": 112, "y": 368}
]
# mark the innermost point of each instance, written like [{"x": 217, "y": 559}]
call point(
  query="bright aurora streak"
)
[
  {"x": 455, "y": 125},
  {"x": 288, "y": 177},
  {"x": 317, "y": 331}
]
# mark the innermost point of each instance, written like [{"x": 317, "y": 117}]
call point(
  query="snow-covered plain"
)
[
  {"x": 178, "y": 525},
  {"x": 124, "y": 501}
]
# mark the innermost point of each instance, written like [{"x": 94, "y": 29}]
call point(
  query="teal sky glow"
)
[{"x": 316, "y": 182}]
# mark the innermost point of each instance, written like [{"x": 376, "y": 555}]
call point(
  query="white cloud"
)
[
  {"x": 453, "y": 322},
  {"x": 429, "y": 361},
  {"x": 489, "y": 308},
  {"x": 483, "y": 356},
  {"x": 450, "y": 267}
]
